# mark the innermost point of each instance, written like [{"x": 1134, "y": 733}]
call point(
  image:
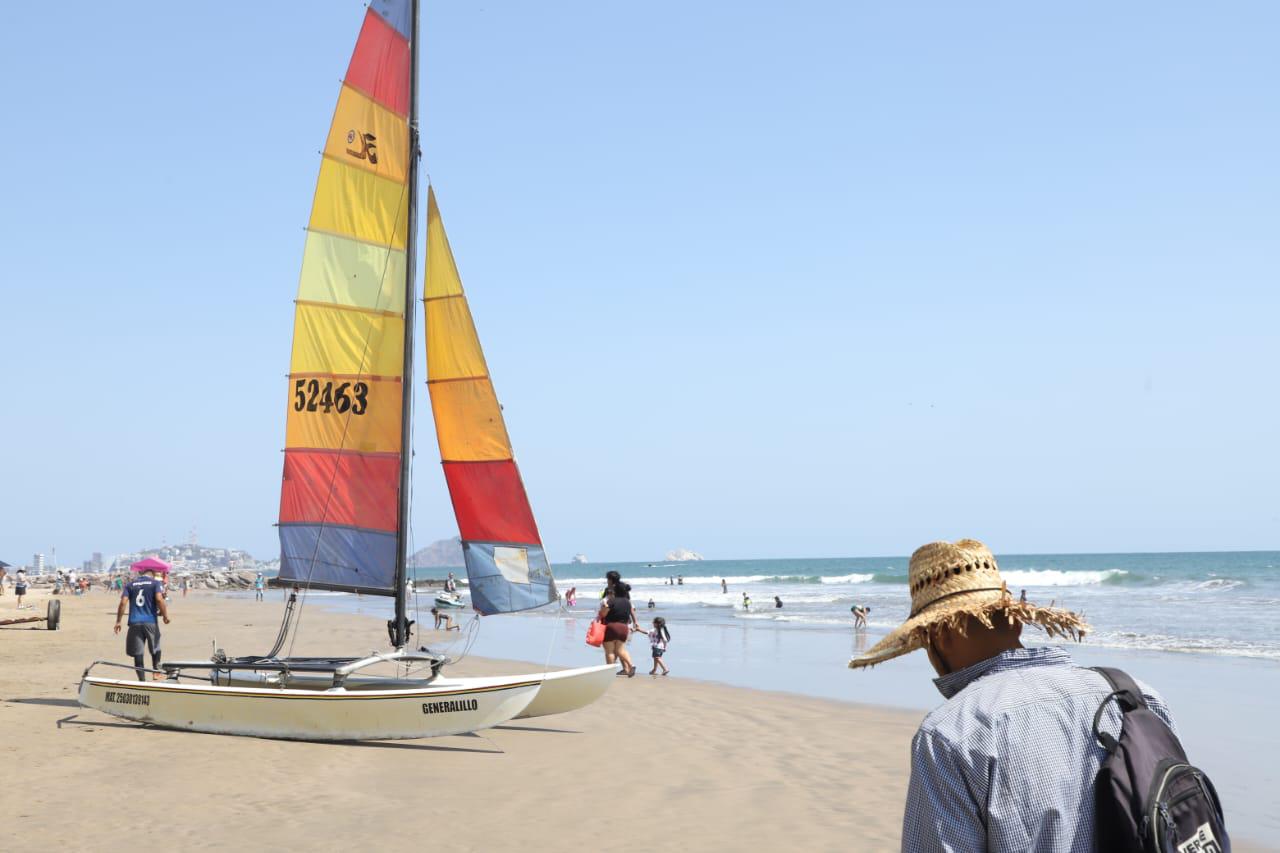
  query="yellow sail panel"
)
[
  {"x": 343, "y": 413},
  {"x": 369, "y": 137},
  {"x": 348, "y": 272},
  {"x": 469, "y": 421},
  {"x": 442, "y": 273},
  {"x": 453, "y": 350},
  {"x": 346, "y": 342},
  {"x": 354, "y": 203}
]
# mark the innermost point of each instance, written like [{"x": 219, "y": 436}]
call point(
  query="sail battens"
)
[
  {"x": 340, "y": 488},
  {"x": 343, "y": 307},
  {"x": 506, "y": 565}
]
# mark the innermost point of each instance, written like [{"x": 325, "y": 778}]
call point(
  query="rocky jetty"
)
[{"x": 682, "y": 555}]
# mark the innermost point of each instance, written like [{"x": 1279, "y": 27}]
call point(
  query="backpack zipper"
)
[{"x": 1159, "y": 808}]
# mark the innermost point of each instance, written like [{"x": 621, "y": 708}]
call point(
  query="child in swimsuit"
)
[{"x": 658, "y": 639}]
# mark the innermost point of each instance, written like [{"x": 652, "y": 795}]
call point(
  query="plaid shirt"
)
[{"x": 1008, "y": 763}]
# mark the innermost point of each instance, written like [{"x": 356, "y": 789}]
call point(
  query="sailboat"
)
[{"x": 344, "y": 503}]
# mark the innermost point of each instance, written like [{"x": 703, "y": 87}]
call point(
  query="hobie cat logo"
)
[
  {"x": 1204, "y": 841},
  {"x": 368, "y": 146}
]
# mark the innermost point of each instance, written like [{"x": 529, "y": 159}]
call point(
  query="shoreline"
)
[{"x": 717, "y": 765}]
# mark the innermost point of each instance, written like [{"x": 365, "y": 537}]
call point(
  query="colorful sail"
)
[
  {"x": 339, "y": 502},
  {"x": 506, "y": 565}
]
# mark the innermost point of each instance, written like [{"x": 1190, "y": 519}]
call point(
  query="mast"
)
[{"x": 398, "y": 628}]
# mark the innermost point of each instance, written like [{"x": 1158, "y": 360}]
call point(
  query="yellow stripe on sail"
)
[
  {"x": 370, "y": 424},
  {"x": 345, "y": 341},
  {"x": 369, "y": 137},
  {"x": 442, "y": 277},
  {"x": 355, "y": 203},
  {"x": 453, "y": 350},
  {"x": 469, "y": 421},
  {"x": 349, "y": 272}
]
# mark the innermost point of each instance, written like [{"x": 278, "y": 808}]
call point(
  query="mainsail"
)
[
  {"x": 506, "y": 566},
  {"x": 340, "y": 505}
]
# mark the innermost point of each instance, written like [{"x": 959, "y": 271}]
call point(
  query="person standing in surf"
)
[
  {"x": 659, "y": 637},
  {"x": 145, "y": 597},
  {"x": 618, "y": 617}
]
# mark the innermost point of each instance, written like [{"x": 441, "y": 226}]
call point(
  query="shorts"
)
[
  {"x": 657, "y": 652},
  {"x": 615, "y": 632},
  {"x": 142, "y": 635},
  {"x": 19, "y": 590}
]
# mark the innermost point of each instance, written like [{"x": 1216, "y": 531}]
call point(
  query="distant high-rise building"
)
[
  {"x": 37, "y": 564},
  {"x": 97, "y": 561}
]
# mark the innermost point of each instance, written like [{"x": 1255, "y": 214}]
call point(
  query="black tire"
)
[{"x": 53, "y": 616}]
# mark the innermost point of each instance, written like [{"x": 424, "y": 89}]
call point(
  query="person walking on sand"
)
[
  {"x": 259, "y": 584},
  {"x": 4, "y": 573},
  {"x": 618, "y": 617},
  {"x": 145, "y": 598},
  {"x": 20, "y": 585},
  {"x": 659, "y": 637},
  {"x": 1008, "y": 762}
]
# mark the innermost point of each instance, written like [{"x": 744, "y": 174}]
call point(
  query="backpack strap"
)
[{"x": 1126, "y": 692}]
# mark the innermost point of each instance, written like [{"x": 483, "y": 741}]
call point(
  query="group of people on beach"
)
[{"x": 619, "y": 618}]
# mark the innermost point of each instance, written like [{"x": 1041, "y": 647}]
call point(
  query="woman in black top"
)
[{"x": 618, "y": 616}]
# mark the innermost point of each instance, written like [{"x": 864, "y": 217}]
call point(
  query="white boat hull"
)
[
  {"x": 463, "y": 705},
  {"x": 569, "y": 690},
  {"x": 558, "y": 692}
]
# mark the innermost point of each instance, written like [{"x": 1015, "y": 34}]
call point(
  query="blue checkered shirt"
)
[{"x": 1008, "y": 763}]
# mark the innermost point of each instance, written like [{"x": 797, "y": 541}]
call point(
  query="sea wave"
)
[
  {"x": 1057, "y": 577},
  {"x": 714, "y": 580},
  {"x": 1189, "y": 645}
]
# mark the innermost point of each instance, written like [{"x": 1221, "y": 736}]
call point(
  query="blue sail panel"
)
[
  {"x": 505, "y": 578},
  {"x": 326, "y": 555}
]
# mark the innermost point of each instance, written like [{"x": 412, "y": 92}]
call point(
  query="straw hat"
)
[{"x": 951, "y": 581}]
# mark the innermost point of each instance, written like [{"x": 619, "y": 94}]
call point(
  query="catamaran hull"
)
[
  {"x": 559, "y": 692},
  {"x": 569, "y": 690},
  {"x": 464, "y": 705}
]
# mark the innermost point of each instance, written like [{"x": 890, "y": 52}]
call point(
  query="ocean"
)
[
  {"x": 1198, "y": 603},
  {"x": 1199, "y": 627}
]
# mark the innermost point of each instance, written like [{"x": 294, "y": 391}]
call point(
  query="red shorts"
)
[{"x": 615, "y": 631}]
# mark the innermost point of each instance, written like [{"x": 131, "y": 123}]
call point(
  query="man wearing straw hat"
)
[{"x": 1009, "y": 762}]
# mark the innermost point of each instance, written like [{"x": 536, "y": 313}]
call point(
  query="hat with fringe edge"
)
[{"x": 951, "y": 581}]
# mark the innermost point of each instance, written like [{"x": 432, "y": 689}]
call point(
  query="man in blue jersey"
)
[{"x": 146, "y": 600}]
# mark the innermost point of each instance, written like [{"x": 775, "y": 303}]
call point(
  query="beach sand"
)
[{"x": 656, "y": 763}]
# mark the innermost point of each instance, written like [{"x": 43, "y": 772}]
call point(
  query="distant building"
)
[{"x": 37, "y": 564}]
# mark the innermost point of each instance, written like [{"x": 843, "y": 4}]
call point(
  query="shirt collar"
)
[{"x": 953, "y": 682}]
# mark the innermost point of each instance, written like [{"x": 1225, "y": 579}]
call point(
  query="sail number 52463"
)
[{"x": 311, "y": 395}]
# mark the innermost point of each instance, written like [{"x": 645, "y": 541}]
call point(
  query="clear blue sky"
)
[{"x": 758, "y": 279}]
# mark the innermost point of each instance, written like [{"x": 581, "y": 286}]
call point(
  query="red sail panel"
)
[
  {"x": 490, "y": 502},
  {"x": 380, "y": 64},
  {"x": 344, "y": 489}
]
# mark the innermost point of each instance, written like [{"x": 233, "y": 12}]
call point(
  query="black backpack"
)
[{"x": 1149, "y": 798}]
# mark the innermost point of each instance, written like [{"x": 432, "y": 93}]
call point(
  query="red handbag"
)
[{"x": 595, "y": 633}]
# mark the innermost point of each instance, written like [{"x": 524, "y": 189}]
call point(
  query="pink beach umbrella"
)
[{"x": 151, "y": 564}]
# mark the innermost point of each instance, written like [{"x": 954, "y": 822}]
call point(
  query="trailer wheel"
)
[{"x": 53, "y": 615}]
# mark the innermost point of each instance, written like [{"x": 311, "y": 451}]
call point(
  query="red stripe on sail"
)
[
  {"x": 363, "y": 491},
  {"x": 380, "y": 64},
  {"x": 490, "y": 502}
]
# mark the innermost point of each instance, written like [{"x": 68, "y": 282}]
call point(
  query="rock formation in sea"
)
[
  {"x": 579, "y": 558},
  {"x": 682, "y": 555},
  {"x": 445, "y": 554}
]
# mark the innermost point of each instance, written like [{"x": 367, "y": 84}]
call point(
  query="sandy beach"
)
[{"x": 657, "y": 761}]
